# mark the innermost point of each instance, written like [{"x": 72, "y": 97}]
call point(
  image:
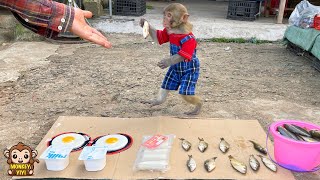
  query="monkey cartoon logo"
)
[{"x": 21, "y": 159}]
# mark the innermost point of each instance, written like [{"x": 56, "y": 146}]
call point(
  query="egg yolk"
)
[
  {"x": 111, "y": 140},
  {"x": 67, "y": 139}
]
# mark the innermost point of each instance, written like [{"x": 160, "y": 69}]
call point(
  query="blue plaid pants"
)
[{"x": 183, "y": 74}]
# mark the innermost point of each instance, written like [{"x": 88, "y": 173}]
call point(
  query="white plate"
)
[
  {"x": 116, "y": 141},
  {"x": 70, "y": 139}
]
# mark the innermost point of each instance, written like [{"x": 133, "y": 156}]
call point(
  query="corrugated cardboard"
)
[{"x": 120, "y": 166}]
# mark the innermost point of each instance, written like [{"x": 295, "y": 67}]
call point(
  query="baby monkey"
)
[{"x": 184, "y": 66}]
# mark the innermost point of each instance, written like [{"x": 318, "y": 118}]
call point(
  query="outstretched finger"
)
[
  {"x": 99, "y": 34},
  {"x": 99, "y": 40}
]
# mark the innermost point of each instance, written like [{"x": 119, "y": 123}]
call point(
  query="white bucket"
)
[
  {"x": 94, "y": 157},
  {"x": 56, "y": 157}
]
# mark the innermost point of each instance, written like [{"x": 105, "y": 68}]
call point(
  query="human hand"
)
[
  {"x": 142, "y": 20},
  {"x": 82, "y": 29}
]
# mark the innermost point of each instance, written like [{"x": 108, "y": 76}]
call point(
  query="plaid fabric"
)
[
  {"x": 41, "y": 16},
  {"x": 183, "y": 74}
]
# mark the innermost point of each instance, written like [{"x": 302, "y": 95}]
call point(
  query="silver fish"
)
[
  {"x": 186, "y": 145},
  {"x": 210, "y": 164},
  {"x": 308, "y": 139},
  {"x": 191, "y": 164},
  {"x": 296, "y": 130},
  {"x": 315, "y": 133},
  {"x": 237, "y": 165},
  {"x": 254, "y": 163},
  {"x": 224, "y": 145},
  {"x": 258, "y": 147},
  {"x": 202, "y": 145},
  {"x": 287, "y": 133},
  {"x": 268, "y": 163}
]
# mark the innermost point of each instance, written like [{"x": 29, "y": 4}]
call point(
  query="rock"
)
[{"x": 95, "y": 6}]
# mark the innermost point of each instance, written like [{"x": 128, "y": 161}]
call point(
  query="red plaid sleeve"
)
[
  {"x": 188, "y": 49},
  {"x": 162, "y": 36},
  {"x": 43, "y": 13}
]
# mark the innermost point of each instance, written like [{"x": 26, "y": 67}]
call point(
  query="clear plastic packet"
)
[
  {"x": 155, "y": 159},
  {"x": 303, "y": 14}
]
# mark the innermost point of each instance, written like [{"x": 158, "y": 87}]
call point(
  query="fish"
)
[
  {"x": 300, "y": 138},
  {"x": 268, "y": 163},
  {"x": 191, "y": 164},
  {"x": 186, "y": 145},
  {"x": 202, "y": 145},
  {"x": 224, "y": 145},
  {"x": 308, "y": 139},
  {"x": 315, "y": 133},
  {"x": 254, "y": 163},
  {"x": 237, "y": 165},
  {"x": 210, "y": 164},
  {"x": 258, "y": 147},
  {"x": 296, "y": 130},
  {"x": 287, "y": 133}
]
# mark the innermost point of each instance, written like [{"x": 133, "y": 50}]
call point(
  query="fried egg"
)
[
  {"x": 113, "y": 142},
  {"x": 68, "y": 139}
]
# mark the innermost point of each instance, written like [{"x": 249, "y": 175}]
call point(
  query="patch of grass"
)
[
  {"x": 149, "y": 7},
  {"x": 239, "y": 40},
  {"x": 19, "y": 30},
  {"x": 23, "y": 34}
]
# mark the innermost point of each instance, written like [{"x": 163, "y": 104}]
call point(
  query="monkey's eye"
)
[
  {"x": 14, "y": 156},
  {"x": 26, "y": 156}
]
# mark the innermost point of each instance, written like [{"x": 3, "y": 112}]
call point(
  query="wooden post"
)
[{"x": 281, "y": 11}]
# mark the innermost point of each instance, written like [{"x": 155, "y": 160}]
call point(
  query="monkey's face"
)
[
  {"x": 167, "y": 19},
  {"x": 19, "y": 157}
]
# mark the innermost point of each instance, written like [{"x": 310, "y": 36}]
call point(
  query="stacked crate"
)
[
  {"x": 129, "y": 7},
  {"x": 243, "y": 10}
]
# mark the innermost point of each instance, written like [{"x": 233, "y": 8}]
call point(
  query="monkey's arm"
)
[
  {"x": 170, "y": 61},
  {"x": 153, "y": 34},
  {"x": 152, "y": 30}
]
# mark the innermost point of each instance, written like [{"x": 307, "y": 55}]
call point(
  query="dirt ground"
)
[{"x": 264, "y": 82}]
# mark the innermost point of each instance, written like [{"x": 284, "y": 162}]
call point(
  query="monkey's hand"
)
[
  {"x": 142, "y": 20},
  {"x": 164, "y": 63}
]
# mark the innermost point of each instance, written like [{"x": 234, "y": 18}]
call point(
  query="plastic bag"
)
[
  {"x": 307, "y": 17},
  {"x": 156, "y": 159},
  {"x": 303, "y": 14}
]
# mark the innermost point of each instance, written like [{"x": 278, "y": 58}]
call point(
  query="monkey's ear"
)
[
  {"x": 34, "y": 153},
  {"x": 6, "y": 153},
  {"x": 184, "y": 18}
]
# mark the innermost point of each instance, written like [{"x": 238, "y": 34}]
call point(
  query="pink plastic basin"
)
[{"x": 292, "y": 154}]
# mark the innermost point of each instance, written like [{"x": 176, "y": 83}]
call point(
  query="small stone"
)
[{"x": 105, "y": 114}]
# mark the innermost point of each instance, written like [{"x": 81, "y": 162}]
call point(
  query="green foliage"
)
[
  {"x": 239, "y": 40},
  {"x": 149, "y": 7}
]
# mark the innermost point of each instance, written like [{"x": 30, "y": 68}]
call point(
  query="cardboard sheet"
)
[{"x": 120, "y": 166}]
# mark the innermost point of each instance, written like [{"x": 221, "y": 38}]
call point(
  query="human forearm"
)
[{"x": 44, "y": 13}]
